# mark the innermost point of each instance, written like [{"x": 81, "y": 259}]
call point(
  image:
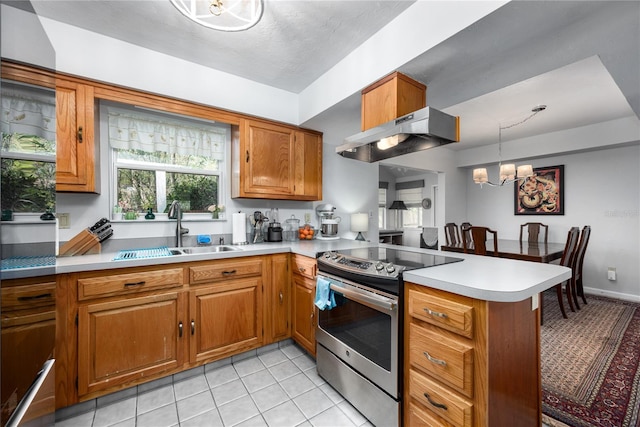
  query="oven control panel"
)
[{"x": 360, "y": 266}]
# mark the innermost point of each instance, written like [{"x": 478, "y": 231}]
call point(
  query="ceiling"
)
[{"x": 580, "y": 58}]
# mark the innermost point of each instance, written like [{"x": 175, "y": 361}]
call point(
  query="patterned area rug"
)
[{"x": 590, "y": 364}]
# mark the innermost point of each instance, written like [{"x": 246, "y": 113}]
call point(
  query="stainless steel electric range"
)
[{"x": 359, "y": 349}]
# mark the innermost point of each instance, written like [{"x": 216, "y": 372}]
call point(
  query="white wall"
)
[{"x": 601, "y": 190}]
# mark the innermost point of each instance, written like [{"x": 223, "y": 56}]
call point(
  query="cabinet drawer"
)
[
  {"x": 447, "y": 313},
  {"x": 445, "y": 358},
  {"x": 444, "y": 403},
  {"x": 122, "y": 284},
  {"x": 28, "y": 296},
  {"x": 304, "y": 266},
  {"x": 419, "y": 417},
  {"x": 228, "y": 269}
]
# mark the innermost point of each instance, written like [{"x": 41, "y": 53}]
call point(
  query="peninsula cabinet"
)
[
  {"x": 304, "y": 312},
  {"x": 273, "y": 161},
  {"x": 469, "y": 362},
  {"x": 76, "y": 149}
]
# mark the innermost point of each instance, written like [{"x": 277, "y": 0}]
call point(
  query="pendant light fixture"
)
[
  {"x": 508, "y": 172},
  {"x": 222, "y": 15}
]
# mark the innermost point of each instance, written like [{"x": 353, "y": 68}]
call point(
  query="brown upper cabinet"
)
[
  {"x": 76, "y": 149},
  {"x": 276, "y": 161},
  {"x": 391, "y": 97}
]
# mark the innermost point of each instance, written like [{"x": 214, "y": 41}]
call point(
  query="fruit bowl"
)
[{"x": 307, "y": 232}]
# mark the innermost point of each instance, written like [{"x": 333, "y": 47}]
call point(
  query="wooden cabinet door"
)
[
  {"x": 304, "y": 313},
  {"x": 225, "y": 318},
  {"x": 268, "y": 160},
  {"x": 279, "y": 308},
  {"x": 126, "y": 340},
  {"x": 308, "y": 166},
  {"x": 75, "y": 150}
]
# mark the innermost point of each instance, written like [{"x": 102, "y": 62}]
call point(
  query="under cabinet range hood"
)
[{"x": 417, "y": 131}]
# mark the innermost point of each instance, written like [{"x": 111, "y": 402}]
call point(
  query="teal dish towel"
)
[{"x": 324, "y": 295}]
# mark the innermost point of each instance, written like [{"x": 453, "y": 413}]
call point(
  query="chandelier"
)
[
  {"x": 222, "y": 15},
  {"x": 508, "y": 172}
]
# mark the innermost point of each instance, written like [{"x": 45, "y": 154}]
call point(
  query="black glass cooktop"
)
[{"x": 377, "y": 266}]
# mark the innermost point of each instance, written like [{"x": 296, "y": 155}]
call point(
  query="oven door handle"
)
[{"x": 369, "y": 299}]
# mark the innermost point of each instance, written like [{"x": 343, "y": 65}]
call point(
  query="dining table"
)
[{"x": 516, "y": 249}]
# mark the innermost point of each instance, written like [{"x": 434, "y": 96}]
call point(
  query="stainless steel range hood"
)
[{"x": 417, "y": 131}]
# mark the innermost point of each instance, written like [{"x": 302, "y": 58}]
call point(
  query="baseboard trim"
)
[{"x": 611, "y": 294}]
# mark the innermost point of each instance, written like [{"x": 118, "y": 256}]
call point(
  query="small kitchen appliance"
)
[
  {"x": 328, "y": 222},
  {"x": 359, "y": 341}
]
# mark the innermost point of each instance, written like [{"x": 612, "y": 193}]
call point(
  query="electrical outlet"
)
[
  {"x": 64, "y": 220},
  {"x": 611, "y": 273},
  {"x": 307, "y": 218}
]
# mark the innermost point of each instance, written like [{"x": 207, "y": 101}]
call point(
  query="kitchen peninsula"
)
[{"x": 486, "y": 319}]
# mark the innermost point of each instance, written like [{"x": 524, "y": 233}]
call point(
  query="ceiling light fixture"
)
[
  {"x": 222, "y": 15},
  {"x": 508, "y": 172}
]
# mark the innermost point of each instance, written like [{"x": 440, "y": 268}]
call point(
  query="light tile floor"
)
[{"x": 275, "y": 387}]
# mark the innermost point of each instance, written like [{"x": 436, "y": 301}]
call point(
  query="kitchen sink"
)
[{"x": 209, "y": 249}]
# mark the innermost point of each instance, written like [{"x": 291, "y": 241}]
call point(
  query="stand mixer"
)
[{"x": 328, "y": 222}]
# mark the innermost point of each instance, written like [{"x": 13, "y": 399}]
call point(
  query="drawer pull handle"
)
[
  {"x": 134, "y": 284},
  {"x": 435, "y": 313},
  {"x": 193, "y": 327},
  {"x": 80, "y": 136},
  {"x": 302, "y": 269},
  {"x": 430, "y": 358},
  {"x": 34, "y": 297},
  {"x": 436, "y": 404},
  {"x": 229, "y": 273},
  {"x": 180, "y": 330},
  {"x": 281, "y": 297}
]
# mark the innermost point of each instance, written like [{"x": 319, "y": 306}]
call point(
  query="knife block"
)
[{"x": 83, "y": 243}]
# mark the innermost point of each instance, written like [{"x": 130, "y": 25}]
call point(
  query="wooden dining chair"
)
[
  {"x": 566, "y": 261},
  {"x": 479, "y": 240},
  {"x": 464, "y": 229},
  {"x": 451, "y": 234},
  {"x": 533, "y": 230},
  {"x": 578, "y": 260}
]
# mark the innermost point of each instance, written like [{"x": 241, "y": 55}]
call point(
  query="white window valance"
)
[
  {"x": 26, "y": 113},
  {"x": 146, "y": 132}
]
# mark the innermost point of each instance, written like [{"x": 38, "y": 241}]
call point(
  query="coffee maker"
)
[{"x": 328, "y": 222}]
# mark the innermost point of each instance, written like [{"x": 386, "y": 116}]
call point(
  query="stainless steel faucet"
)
[{"x": 175, "y": 212}]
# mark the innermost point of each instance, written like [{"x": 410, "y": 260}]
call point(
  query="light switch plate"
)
[{"x": 64, "y": 220}]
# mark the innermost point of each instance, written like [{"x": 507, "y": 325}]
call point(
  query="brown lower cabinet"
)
[
  {"x": 122, "y": 327},
  {"x": 304, "y": 312},
  {"x": 469, "y": 362}
]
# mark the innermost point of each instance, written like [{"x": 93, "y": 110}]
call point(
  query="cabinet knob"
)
[
  {"x": 80, "y": 134},
  {"x": 180, "y": 329},
  {"x": 247, "y": 159},
  {"x": 281, "y": 296},
  {"x": 193, "y": 327}
]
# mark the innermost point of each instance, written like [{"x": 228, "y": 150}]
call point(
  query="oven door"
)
[{"x": 362, "y": 331}]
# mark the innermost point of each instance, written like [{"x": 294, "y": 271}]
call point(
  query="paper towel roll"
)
[{"x": 239, "y": 228}]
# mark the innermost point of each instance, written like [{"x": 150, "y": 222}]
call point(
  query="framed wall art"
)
[{"x": 542, "y": 193}]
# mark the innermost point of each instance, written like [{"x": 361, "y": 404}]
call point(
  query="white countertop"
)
[{"x": 481, "y": 277}]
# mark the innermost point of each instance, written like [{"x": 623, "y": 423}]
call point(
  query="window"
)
[
  {"x": 28, "y": 166},
  {"x": 412, "y": 198},
  {"x": 382, "y": 208},
  {"x": 158, "y": 158}
]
